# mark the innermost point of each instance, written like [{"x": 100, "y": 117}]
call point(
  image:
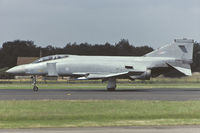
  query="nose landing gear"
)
[{"x": 35, "y": 88}]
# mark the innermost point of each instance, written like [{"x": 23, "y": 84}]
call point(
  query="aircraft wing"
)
[{"x": 108, "y": 75}]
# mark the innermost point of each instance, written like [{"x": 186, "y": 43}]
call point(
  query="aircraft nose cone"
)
[
  {"x": 16, "y": 70},
  {"x": 9, "y": 71}
]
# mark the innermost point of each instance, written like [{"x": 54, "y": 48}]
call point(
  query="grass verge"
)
[
  {"x": 61, "y": 113},
  {"x": 99, "y": 86}
]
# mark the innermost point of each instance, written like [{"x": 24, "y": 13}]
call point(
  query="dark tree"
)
[
  {"x": 11, "y": 50},
  {"x": 196, "y": 57}
]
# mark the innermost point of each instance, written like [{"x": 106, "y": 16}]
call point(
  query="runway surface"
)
[
  {"x": 94, "y": 94},
  {"x": 182, "y": 129}
]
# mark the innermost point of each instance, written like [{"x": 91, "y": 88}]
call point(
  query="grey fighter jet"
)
[{"x": 175, "y": 56}]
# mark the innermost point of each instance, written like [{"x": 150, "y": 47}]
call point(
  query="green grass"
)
[
  {"x": 99, "y": 85},
  {"x": 60, "y": 113}
]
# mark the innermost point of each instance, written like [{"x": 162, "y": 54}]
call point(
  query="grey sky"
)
[{"x": 57, "y": 22}]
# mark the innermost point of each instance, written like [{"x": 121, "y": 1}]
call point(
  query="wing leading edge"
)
[{"x": 108, "y": 75}]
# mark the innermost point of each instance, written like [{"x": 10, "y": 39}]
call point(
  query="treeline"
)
[{"x": 11, "y": 50}]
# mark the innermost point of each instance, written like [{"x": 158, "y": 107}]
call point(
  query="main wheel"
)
[
  {"x": 111, "y": 84},
  {"x": 35, "y": 88},
  {"x": 111, "y": 89}
]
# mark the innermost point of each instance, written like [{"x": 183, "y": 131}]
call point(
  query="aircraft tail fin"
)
[{"x": 181, "y": 49}]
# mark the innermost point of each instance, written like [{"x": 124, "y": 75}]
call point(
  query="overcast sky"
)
[{"x": 57, "y": 22}]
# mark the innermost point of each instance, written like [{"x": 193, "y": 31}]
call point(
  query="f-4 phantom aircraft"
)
[{"x": 175, "y": 56}]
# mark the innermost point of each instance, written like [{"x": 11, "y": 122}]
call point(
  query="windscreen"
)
[{"x": 51, "y": 57}]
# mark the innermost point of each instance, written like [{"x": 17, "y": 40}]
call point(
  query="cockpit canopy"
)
[{"x": 51, "y": 57}]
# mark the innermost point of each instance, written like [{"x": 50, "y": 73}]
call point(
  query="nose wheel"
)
[{"x": 35, "y": 88}]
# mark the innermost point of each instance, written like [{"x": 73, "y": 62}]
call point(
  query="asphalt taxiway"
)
[{"x": 168, "y": 94}]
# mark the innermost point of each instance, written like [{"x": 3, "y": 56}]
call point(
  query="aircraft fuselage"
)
[{"x": 73, "y": 65}]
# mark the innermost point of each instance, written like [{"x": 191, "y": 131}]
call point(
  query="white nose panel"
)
[{"x": 51, "y": 68}]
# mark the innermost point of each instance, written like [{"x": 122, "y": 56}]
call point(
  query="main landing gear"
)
[
  {"x": 35, "y": 88},
  {"x": 111, "y": 84}
]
